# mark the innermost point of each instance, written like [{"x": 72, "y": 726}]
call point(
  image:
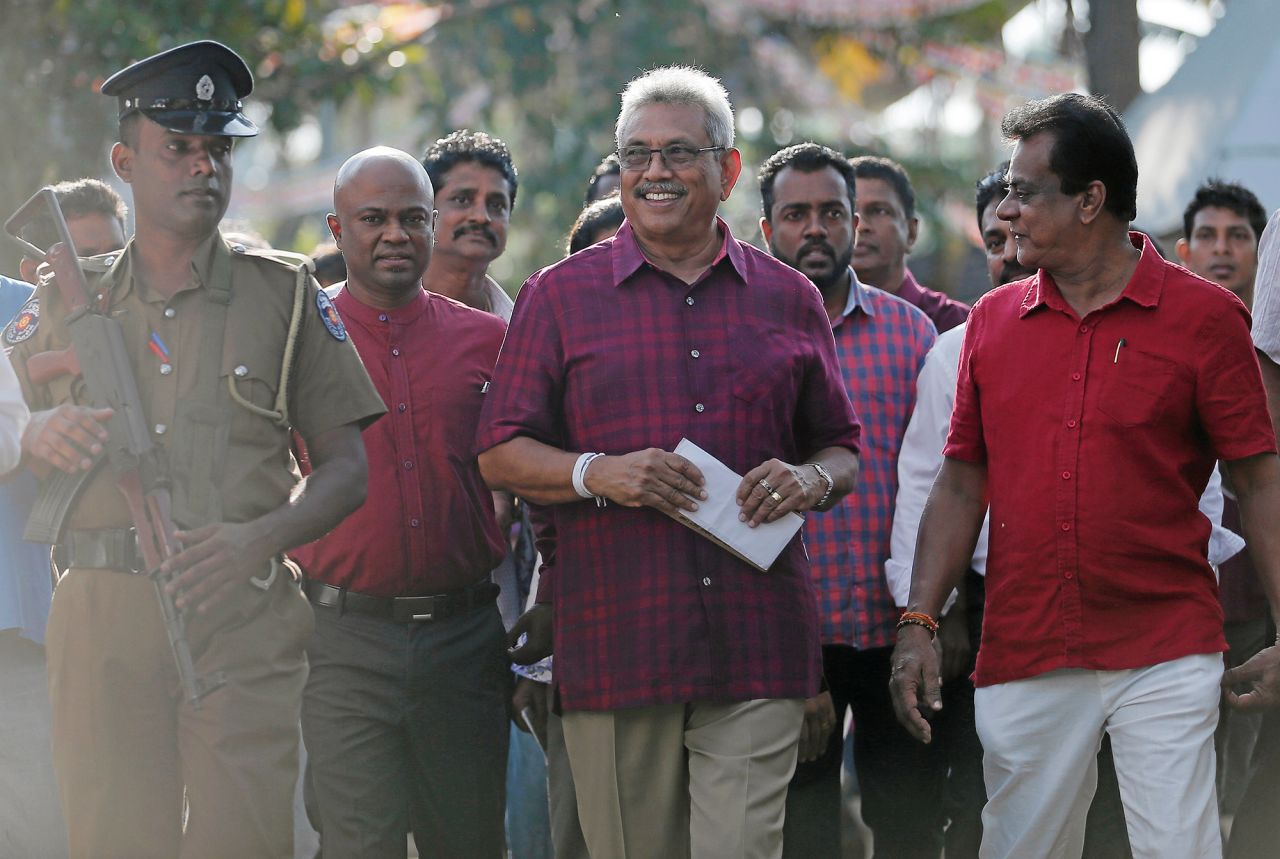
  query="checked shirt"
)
[
  {"x": 881, "y": 342},
  {"x": 608, "y": 353}
]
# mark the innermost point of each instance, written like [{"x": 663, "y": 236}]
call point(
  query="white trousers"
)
[{"x": 1040, "y": 739}]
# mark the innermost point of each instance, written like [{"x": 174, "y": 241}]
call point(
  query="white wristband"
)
[{"x": 579, "y": 474}]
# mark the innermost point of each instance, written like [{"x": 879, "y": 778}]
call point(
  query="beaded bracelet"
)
[{"x": 918, "y": 618}]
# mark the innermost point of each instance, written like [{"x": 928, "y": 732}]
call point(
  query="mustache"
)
[
  {"x": 479, "y": 229},
  {"x": 659, "y": 188},
  {"x": 816, "y": 245}
]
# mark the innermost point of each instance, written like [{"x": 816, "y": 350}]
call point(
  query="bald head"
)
[
  {"x": 386, "y": 162},
  {"x": 384, "y": 224}
]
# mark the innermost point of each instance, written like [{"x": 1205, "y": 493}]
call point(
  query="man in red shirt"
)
[
  {"x": 1092, "y": 402},
  {"x": 681, "y": 670},
  {"x": 404, "y": 713}
]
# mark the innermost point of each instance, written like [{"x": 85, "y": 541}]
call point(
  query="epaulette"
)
[{"x": 287, "y": 258}]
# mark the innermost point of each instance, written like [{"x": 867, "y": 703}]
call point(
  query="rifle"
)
[{"x": 98, "y": 353}]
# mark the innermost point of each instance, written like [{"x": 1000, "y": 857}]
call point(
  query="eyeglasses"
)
[{"x": 673, "y": 155}]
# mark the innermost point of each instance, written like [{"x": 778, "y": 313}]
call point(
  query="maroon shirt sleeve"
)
[
  {"x": 825, "y": 415},
  {"x": 526, "y": 393}
]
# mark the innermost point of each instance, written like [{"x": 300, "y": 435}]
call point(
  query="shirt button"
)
[
  {"x": 382, "y": 317},
  {"x": 1075, "y": 377},
  {"x": 395, "y": 352},
  {"x": 689, "y": 300},
  {"x": 161, "y": 429},
  {"x": 1072, "y": 423},
  {"x": 408, "y": 463},
  {"x": 401, "y": 407},
  {"x": 706, "y": 580},
  {"x": 1066, "y": 475},
  {"x": 1068, "y": 575},
  {"x": 414, "y": 523},
  {"x": 166, "y": 369},
  {"x": 1066, "y": 526},
  {"x": 695, "y": 353},
  {"x": 1084, "y": 329},
  {"x": 699, "y": 408},
  {"x": 169, "y": 313}
]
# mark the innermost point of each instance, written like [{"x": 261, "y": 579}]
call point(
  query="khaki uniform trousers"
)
[
  {"x": 702, "y": 780},
  {"x": 126, "y": 743}
]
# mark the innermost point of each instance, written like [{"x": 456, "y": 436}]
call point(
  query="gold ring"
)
[
  {"x": 765, "y": 484},
  {"x": 777, "y": 499}
]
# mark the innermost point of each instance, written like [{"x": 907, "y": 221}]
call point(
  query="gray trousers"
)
[
  {"x": 30, "y": 811},
  {"x": 406, "y": 729}
]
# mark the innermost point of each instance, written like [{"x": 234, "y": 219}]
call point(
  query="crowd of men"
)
[{"x": 446, "y": 534}]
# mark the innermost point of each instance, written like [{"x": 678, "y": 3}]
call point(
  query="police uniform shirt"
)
[{"x": 328, "y": 387}]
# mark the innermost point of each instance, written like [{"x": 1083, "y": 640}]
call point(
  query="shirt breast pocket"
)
[
  {"x": 253, "y": 390},
  {"x": 1135, "y": 387}
]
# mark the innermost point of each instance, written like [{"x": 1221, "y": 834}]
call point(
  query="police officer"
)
[{"x": 231, "y": 349}]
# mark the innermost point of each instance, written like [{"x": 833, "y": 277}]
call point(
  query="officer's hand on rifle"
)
[
  {"x": 67, "y": 437},
  {"x": 215, "y": 560}
]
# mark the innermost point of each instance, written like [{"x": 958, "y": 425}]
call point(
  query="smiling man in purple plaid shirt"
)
[
  {"x": 681, "y": 670},
  {"x": 808, "y": 197}
]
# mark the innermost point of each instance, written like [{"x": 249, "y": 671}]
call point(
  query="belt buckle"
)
[{"x": 402, "y": 610}]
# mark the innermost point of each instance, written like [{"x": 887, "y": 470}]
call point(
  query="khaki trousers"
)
[
  {"x": 701, "y": 780},
  {"x": 126, "y": 743}
]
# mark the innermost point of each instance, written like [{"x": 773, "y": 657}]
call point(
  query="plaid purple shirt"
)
[
  {"x": 881, "y": 342},
  {"x": 608, "y": 353}
]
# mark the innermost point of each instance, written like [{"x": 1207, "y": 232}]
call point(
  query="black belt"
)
[
  {"x": 402, "y": 609},
  {"x": 101, "y": 548}
]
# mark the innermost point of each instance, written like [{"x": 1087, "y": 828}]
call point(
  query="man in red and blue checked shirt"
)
[{"x": 809, "y": 223}]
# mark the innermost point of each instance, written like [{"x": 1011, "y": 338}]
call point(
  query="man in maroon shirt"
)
[
  {"x": 404, "y": 712},
  {"x": 1092, "y": 402},
  {"x": 681, "y": 670},
  {"x": 887, "y": 230}
]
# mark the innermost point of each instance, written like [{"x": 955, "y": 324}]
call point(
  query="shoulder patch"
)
[
  {"x": 24, "y": 324},
  {"x": 329, "y": 316}
]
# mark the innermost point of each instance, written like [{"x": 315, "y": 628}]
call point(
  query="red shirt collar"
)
[{"x": 1143, "y": 289}]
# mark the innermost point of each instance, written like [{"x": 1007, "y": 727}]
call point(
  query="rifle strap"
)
[{"x": 203, "y": 426}]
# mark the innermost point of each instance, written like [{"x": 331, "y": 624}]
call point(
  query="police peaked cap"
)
[{"x": 191, "y": 89}]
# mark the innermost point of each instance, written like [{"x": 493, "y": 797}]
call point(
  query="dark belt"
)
[
  {"x": 102, "y": 549},
  {"x": 402, "y": 609}
]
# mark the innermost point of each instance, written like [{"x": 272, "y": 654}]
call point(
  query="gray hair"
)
[{"x": 680, "y": 85}]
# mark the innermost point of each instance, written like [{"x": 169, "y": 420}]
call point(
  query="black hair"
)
[
  {"x": 1231, "y": 196},
  {"x": 807, "y": 158},
  {"x": 994, "y": 184},
  {"x": 887, "y": 170},
  {"x": 597, "y": 216},
  {"x": 1090, "y": 144},
  {"x": 464, "y": 145},
  {"x": 608, "y": 166},
  {"x": 78, "y": 198}
]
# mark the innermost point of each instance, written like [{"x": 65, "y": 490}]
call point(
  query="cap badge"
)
[{"x": 204, "y": 88}]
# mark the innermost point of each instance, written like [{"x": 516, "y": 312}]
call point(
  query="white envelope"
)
[{"x": 717, "y": 517}]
